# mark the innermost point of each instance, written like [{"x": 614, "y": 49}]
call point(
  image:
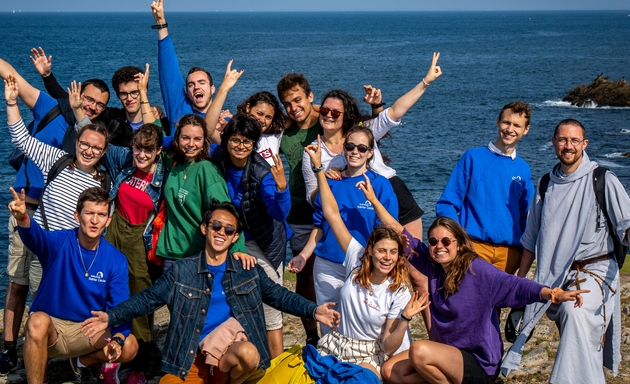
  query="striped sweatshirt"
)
[{"x": 60, "y": 197}]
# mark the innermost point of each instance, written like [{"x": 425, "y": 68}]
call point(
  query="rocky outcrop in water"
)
[{"x": 601, "y": 92}]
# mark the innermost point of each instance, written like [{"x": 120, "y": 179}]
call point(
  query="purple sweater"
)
[{"x": 468, "y": 319}]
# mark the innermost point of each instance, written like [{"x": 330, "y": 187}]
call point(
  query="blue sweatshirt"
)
[
  {"x": 355, "y": 210},
  {"x": 491, "y": 194},
  {"x": 52, "y": 134},
  {"x": 172, "y": 84},
  {"x": 278, "y": 203},
  {"x": 64, "y": 291}
]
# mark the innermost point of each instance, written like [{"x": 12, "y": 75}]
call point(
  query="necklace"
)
[
  {"x": 81, "y": 254},
  {"x": 187, "y": 169},
  {"x": 370, "y": 291}
]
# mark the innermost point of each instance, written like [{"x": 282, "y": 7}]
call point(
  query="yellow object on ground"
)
[{"x": 287, "y": 368}]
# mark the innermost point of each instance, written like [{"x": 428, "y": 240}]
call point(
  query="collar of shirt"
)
[{"x": 496, "y": 150}]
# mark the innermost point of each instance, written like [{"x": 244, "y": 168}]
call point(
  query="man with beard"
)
[{"x": 571, "y": 237}]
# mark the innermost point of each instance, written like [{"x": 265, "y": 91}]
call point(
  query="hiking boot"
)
[
  {"x": 134, "y": 377},
  {"x": 82, "y": 375},
  {"x": 8, "y": 361},
  {"x": 109, "y": 374}
]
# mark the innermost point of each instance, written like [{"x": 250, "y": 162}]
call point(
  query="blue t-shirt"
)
[
  {"x": 219, "y": 310},
  {"x": 52, "y": 134},
  {"x": 135, "y": 126}
]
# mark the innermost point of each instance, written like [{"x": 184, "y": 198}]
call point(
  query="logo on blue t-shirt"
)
[
  {"x": 98, "y": 277},
  {"x": 366, "y": 205}
]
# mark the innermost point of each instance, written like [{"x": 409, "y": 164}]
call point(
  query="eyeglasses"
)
[
  {"x": 247, "y": 143},
  {"x": 99, "y": 106},
  {"x": 564, "y": 141},
  {"x": 133, "y": 94},
  {"x": 84, "y": 146},
  {"x": 446, "y": 241},
  {"x": 145, "y": 150},
  {"x": 324, "y": 112},
  {"x": 216, "y": 226},
  {"x": 362, "y": 148}
]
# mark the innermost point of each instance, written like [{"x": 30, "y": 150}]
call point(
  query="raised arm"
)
[
  {"x": 43, "y": 66},
  {"x": 373, "y": 97},
  {"x": 142, "y": 79},
  {"x": 28, "y": 93},
  {"x": 402, "y": 105},
  {"x": 11, "y": 93},
  {"x": 383, "y": 214},
  {"x": 157, "y": 7},
  {"x": 229, "y": 80}
]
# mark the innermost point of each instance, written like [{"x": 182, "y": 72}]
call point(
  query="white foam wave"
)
[
  {"x": 566, "y": 104},
  {"x": 610, "y": 164},
  {"x": 625, "y": 131},
  {"x": 616, "y": 155},
  {"x": 546, "y": 146}
]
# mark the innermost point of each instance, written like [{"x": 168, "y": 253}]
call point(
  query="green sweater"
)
[{"x": 186, "y": 202}]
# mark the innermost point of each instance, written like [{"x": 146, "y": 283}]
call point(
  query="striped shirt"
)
[{"x": 61, "y": 195}]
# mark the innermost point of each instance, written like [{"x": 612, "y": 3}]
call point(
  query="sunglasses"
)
[
  {"x": 433, "y": 241},
  {"x": 362, "y": 148},
  {"x": 324, "y": 112},
  {"x": 216, "y": 226}
]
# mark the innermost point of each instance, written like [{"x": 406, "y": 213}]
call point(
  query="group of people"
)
[{"x": 119, "y": 211}]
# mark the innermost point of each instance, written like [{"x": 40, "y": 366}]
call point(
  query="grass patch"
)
[
  {"x": 626, "y": 266},
  {"x": 289, "y": 276}
]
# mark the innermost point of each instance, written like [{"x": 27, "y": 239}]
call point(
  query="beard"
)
[{"x": 577, "y": 157}]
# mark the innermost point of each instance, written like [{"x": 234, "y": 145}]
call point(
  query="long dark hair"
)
[
  {"x": 465, "y": 254},
  {"x": 195, "y": 121},
  {"x": 101, "y": 130},
  {"x": 279, "y": 119},
  {"x": 351, "y": 113},
  {"x": 244, "y": 125},
  {"x": 399, "y": 274}
]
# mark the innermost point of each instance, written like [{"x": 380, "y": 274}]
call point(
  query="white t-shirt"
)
[
  {"x": 363, "y": 317},
  {"x": 379, "y": 125},
  {"x": 268, "y": 146}
]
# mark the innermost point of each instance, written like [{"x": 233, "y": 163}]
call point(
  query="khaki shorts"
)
[
  {"x": 70, "y": 340},
  {"x": 506, "y": 258},
  {"x": 23, "y": 267},
  {"x": 273, "y": 317}
]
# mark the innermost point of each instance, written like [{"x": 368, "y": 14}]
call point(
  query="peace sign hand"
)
[
  {"x": 315, "y": 152},
  {"x": 366, "y": 187},
  {"x": 18, "y": 205},
  {"x": 434, "y": 71},
  {"x": 277, "y": 171},
  {"x": 142, "y": 79},
  {"x": 157, "y": 7},
  {"x": 372, "y": 95}
]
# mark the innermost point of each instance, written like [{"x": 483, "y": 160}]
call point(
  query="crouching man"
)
[
  {"x": 82, "y": 273},
  {"x": 206, "y": 291}
]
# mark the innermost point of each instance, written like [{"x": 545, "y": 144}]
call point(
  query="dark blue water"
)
[{"x": 488, "y": 60}]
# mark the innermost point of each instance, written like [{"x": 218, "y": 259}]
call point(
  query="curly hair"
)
[
  {"x": 101, "y": 130},
  {"x": 518, "y": 108},
  {"x": 279, "y": 119},
  {"x": 465, "y": 254},
  {"x": 399, "y": 274},
  {"x": 195, "y": 121},
  {"x": 125, "y": 75},
  {"x": 351, "y": 113},
  {"x": 291, "y": 80}
]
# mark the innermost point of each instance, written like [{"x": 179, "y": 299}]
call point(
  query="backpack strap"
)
[
  {"x": 54, "y": 171},
  {"x": 47, "y": 119},
  {"x": 106, "y": 183},
  {"x": 542, "y": 187},
  {"x": 599, "y": 185}
]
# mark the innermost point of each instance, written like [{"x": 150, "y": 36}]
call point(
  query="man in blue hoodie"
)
[
  {"x": 490, "y": 190},
  {"x": 93, "y": 276}
]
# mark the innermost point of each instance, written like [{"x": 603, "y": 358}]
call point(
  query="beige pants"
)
[
  {"x": 23, "y": 267},
  {"x": 273, "y": 317}
]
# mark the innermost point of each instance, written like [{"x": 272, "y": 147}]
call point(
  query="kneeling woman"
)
[
  {"x": 374, "y": 302},
  {"x": 465, "y": 293},
  {"x": 260, "y": 192}
]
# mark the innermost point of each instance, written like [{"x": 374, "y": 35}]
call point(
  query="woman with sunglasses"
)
[
  {"x": 329, "y": 273},
  {"x": 374, "y": 302},
  {"x": 260, "y": 192},
  {"x": 465, "y": 293}
]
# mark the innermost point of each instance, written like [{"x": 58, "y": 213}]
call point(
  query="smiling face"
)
[
  {"x": 262, "y": 112},
  {"x": 441, "y": 254},
  {"x": 384, "y": 256},
  {"x": 93, "y": 219},
  {"x": 297, "y": 103},
  {"x": 190, "y": 141},
  {"x": 512, "y": 127},
  {"x": 329, "y": 123},
  {"x": 355, "y": 159},
  {"x": 217, "y": 241},
  {"x": 199, "y": 90},
  {"x": 90, "y": 147},
  {"x": 129, "y": 96},
  {"x": 144, "y": 159},
  {"x": 569, "y": 154},
  {"x": 239, "y": 147},
  {"x": 94, "y": 101}
]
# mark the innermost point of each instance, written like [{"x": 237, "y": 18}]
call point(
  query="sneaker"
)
[
  {"x": 135, "y": 378},
  {"x": 8, "y": 361},
  {"x": 83, "y": 375},
  {"x": 109, "y": 374}
]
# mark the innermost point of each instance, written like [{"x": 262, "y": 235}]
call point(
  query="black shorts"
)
[
  {"x": 408, "y": 209},
  {"x": 473, "y": 373}
]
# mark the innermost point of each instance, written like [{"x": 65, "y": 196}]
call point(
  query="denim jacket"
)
[
  {"x": 119, "y": 162},
  {"x": 186, "y": 288}
]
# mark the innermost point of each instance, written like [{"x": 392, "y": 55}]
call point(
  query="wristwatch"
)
[{"x": 119, "y": 340}]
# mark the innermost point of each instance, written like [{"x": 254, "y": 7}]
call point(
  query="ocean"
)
[{"x": 488, "y": 59}]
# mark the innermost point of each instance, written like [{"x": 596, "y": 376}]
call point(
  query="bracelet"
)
[
  {"x": 375, "y": 106},
  {"x": 406, "y": 318},
  {"x": 14, "y": 104},
  {"x": 144, "y": 102},
  {"x": 425, "y": 83},
  {"x": 119, "y": 341},
  {"x": 553, "y": 295},
  {"x": 159, "y": 26},
  {"x": 24, "y": 218},
  {"x": 317, "y": 169}
]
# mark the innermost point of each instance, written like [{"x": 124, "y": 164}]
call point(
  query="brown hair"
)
[
  {"x": 519, "y": 108},
  {"x": 199, "y": 69},
  {"x": 399, "y": 274},
  {"x": 465, "y": 255},
  {"x": 101, "y": 130},
  {"x": 195, "y": 121},
  {"x": 148, "y": 137},
  {"x": 96, "y": 195},
  {"x": 289, "y": 81},
  {"x": 570, "y": 122}
]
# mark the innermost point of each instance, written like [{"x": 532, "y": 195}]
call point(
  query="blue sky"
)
[{"x": 319, "y": 5}]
